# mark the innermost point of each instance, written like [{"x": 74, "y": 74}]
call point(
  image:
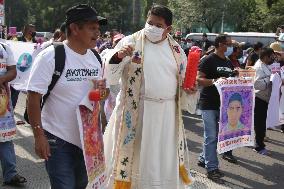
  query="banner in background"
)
[
  {"x": 236, "y": 113},
  {"x": 273, "y": 111},
  {"x": 24, "y": 54},
  {"x": 2, "y": 12}
]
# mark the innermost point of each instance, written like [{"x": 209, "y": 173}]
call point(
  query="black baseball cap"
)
[{"x": 83, "y": 12}]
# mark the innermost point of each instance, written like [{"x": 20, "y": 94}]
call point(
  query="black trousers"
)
[
  {"x": 260, "y": 114},
  {"x": 14, "y": 96}
]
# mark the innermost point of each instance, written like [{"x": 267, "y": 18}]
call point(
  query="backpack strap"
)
[
  {"x": 98, "y": 56},
  {"x": 3, "y": 46},
  {"x": 60, "y": 57}
]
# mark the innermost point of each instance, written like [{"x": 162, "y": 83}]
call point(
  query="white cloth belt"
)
[{"x": 155, "y": 99}]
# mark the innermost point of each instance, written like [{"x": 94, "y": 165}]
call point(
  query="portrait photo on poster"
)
[{"x": 236, "y": 112}]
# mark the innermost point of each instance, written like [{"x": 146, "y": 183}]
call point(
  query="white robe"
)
[{"x": 155, "y": 162}]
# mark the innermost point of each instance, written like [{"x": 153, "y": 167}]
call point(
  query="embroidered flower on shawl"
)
[
  {"x": 176, "y": 48},
  {"x": 181, "y": 68},
  {"x": 131, "y": 130},
  {"x": 136, "y": 57}
]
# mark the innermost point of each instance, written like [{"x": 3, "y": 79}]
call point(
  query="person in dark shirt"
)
[
  {"x": 254, "y": 55},
  {"x": 214, "y": 66},
  {"x": 205, "y": 43}
]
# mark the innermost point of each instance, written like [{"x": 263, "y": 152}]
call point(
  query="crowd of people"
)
[{"x": 139, "y": 78}]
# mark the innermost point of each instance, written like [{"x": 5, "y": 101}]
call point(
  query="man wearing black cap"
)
[{"x": 55, "y": 127}]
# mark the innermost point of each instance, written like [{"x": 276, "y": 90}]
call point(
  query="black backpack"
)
[{"x": 59, "y": 57}]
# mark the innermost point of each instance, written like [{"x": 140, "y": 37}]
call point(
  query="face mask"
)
[
  {"x": 229, "y": 51},
  {"x": 153, "y": 33},
  {"x": 33, "y": 34}
]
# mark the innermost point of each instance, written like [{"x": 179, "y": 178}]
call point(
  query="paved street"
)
[{"x": 252, "y": 171}]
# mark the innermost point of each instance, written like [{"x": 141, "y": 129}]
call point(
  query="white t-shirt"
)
[
  {"x": 7, "y": 122},
  {"x": 59, "y": 111},
  {"x": 6, "y": 58}
]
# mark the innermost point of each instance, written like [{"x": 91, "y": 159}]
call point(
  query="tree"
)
[
  {"x": 136, "y": 14},
  {"x": 49, "y": 14},
  {"x": 275, "y": 18},
  {"x": 204, "y": 12}
]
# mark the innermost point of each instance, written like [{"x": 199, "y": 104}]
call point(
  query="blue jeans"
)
[
  {"x": 8, "y": 160},
  {"x": 209, "y": 154},
  {"x": 66, "y": 166}
]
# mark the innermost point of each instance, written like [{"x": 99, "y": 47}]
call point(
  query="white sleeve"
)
[
  {"x": 10, "y": 56},
  {"x": 113, "y": 72},
  {"x": 42, "y": 71}
]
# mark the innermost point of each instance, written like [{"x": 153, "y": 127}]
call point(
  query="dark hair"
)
[
  {"x": 26, "y": 27},
  {"x": 56, "y": 34},
  {"x": 257, "y": 46},
  {"x": 63, "y": 27},
  {"x": 204, "y": 35},
  {"x": 79, "y": 23},
  {"x": 236, "y": 97},
  {"x": 162, "y": 11},
  {"x": 221, "y": 38},
  {"x": 266, "y": 52},
  {"x": 236, "y": 47}
]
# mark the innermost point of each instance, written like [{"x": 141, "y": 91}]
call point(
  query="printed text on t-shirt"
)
[{"x": 80, "y": 74}]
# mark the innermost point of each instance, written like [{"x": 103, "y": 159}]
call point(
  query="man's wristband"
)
[{"x": 37, "y": 129}]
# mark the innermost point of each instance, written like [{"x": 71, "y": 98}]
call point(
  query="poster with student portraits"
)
[
  {"x": 236, "y": 113},
  {"x": 24, "y": 54},
  {"x": 7, "y": 122},
  {"x": 92, "y": 143}
]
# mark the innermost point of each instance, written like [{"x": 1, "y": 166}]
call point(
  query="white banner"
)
[
  {"x": 236, "y": 113},
  {"x": 2, "y": 12},
  {"x": 24, "y": 54},
  {"x": 273, "y": 111}
]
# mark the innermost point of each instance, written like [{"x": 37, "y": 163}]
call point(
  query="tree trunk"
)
[{"x": 136, "y": 14}]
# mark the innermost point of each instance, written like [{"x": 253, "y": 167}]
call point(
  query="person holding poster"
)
[
  {"x": 55, "y": 127},
  {"x": 7, "y": 123},
  {"x": 263, "y": 87},
  {"x": 212, "y": 67},
  {"x": 151, "y": 67}
]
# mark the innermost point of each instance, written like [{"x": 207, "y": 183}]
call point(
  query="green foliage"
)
[
  {"x": 49, "y": 14},
  {"x": 130, "y": 15},
  {"x": 276, "y": 16},
  {"x": 242, "y": 15}
]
